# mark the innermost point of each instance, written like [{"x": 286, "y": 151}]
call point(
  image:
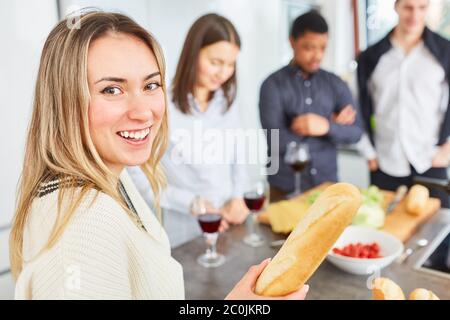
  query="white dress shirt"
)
[{"x": 410, "y": 96}]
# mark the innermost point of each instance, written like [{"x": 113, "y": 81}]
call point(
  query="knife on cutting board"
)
[{"x": 399, "y": 195}]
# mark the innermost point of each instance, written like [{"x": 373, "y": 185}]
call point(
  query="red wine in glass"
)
[
  {"x": 209, "y": 222},
  {"x": 254, "y": 201},
  {"x": 299, "y": 166}
]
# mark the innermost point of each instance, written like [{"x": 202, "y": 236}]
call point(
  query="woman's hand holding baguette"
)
[{"x": 244, "y": 289}]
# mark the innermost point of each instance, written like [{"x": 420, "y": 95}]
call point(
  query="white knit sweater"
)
[{"x": 102, "y": 253}]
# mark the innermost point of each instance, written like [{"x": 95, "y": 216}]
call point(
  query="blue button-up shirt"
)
[{"x": 288, "y": 93}]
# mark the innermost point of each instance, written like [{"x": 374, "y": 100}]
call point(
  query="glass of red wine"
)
[
  {"x": 209, "y": 220},
  {"x": 298, "y": 157},
  {"x": 255, "y": 200}
]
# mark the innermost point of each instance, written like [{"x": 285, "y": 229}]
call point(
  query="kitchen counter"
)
[{"x": 328, "y": 282}]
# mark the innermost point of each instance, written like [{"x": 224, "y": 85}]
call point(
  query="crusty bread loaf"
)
[
  {"x": 310, "y": 241},
  {"x": 386, "y": 289},
  {"x": 422, "y": 294},
  {"x": 417, "y": 199}
]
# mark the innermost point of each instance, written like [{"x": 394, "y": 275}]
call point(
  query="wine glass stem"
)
[
  {"x": 254, "y": 224},
  {"x": 298, "y": 179},
  {"x": 211, "y": 241}
]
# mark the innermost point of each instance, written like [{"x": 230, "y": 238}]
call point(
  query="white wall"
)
[
  {"x": 340, "y": 50},
  {"x": 134, "y": 8},
  {"x": 24, "y": 25}
]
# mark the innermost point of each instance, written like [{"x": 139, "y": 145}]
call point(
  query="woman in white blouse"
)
[
  {"x": 81, "y": 230},
  {"x": 203, "y": 158}
]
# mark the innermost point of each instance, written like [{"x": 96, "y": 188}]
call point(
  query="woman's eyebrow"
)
[
  {"x": 111, "y": 79},
  {"x": 152, "y": 75},
  {"x": 122, "y": 80}
]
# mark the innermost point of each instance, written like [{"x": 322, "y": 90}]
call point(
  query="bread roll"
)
[
  {"x": 417, "y": 199},
  {"x": 386, "y": 289},
  {"x": 422, "y": 294},
  {"x": 310, "y": 241}
]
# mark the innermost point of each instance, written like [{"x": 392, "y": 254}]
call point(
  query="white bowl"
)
[{"x": 390, "y": 249}]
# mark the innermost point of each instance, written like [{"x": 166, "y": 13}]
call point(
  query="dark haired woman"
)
[{"x": 201, "y": 160}]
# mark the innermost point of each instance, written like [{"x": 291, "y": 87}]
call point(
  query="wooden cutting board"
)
[
  {"x": 403, "y": 225},
  {"x": 398, "y": 223}
]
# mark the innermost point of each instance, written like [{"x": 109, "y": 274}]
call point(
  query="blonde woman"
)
[{"x": 81, "y": 230}]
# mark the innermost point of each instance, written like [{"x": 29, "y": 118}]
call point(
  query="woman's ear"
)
[{"x": 396, "y": 6}]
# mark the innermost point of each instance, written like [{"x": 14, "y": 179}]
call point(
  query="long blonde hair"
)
[{"x": 59, "y": 144}]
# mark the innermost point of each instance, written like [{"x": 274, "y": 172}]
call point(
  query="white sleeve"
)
[
  {"x": 365, "y": 148},
  {"x": 239, "y": 170},
  {"x": 177, "y": 199}
]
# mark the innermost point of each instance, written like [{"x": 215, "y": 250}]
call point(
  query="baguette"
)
[{"x": 310, "y": 241}]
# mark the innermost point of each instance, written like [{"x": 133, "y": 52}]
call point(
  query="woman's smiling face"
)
[{"x": 127, "y": 102}]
